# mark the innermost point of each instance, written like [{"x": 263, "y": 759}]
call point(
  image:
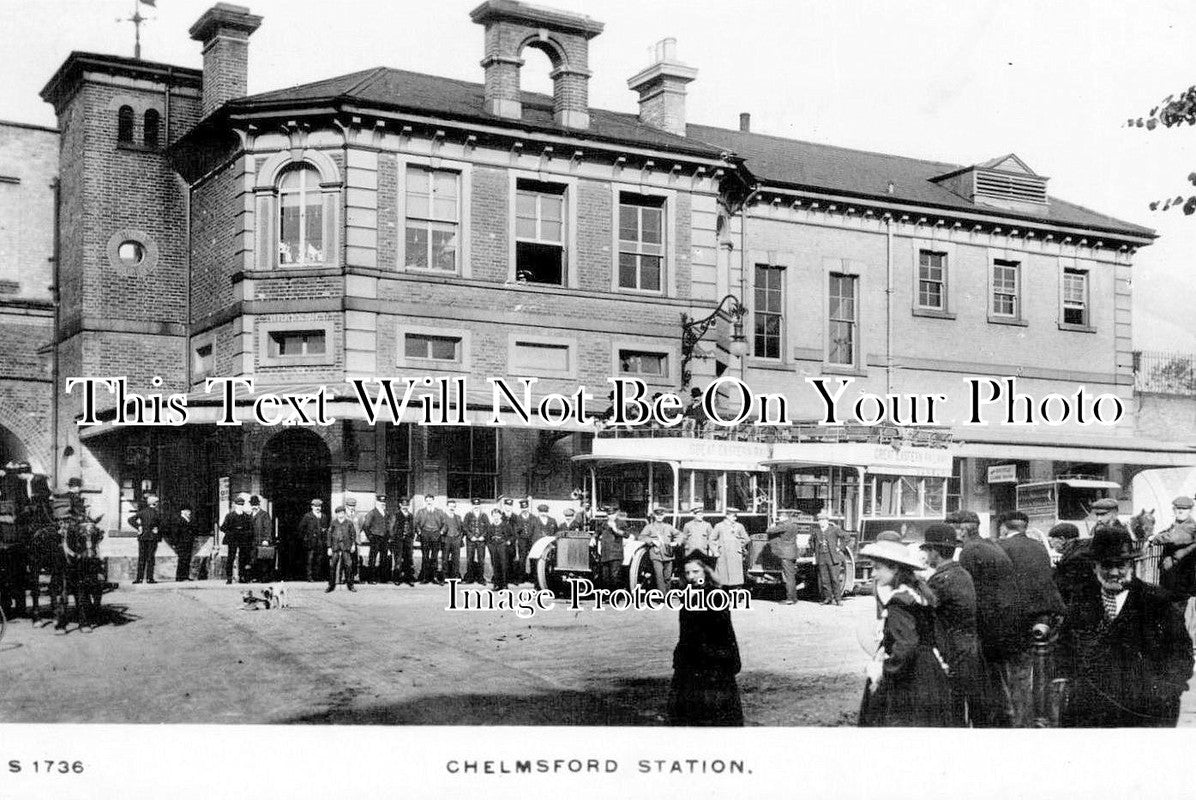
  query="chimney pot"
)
[{"x": 745, "y": 122}]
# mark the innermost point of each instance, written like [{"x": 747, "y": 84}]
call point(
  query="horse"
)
[
  {"x": 1142, "y": 525},
  {"x": 68, "y": 552}
]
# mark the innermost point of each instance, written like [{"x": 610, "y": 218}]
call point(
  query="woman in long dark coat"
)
[
  {"x": 907, "y": 683},
  {"x": 706, "y": 659}
]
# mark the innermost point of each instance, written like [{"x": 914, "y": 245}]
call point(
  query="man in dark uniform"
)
[
  {"x": 956, "y": 612},
  {"x": 402, "y": 543},
  {"x": 1037, "y": 611},
  {"x": 1178, "y": 565},
  {"x": 454, "y": 531},
  {"x": 782, "y": 541},
  {"x": 572, "y": 521},
  {"x": 374, "y": 526},
  {"x": 237, "y": 527},
  {"x": 996, "y": 617},
  {"x": 523, "y": 542},
  {"x": 148, "y": 524},
  {"x": 183, "y": 531},
  {"x": 1122, "y": 645},
  {"x": 827, "y": 558},
  {"x": 311, "y": 533},
  {"x": 477, "y": 531},
  {"x": 430, "y": 525},
  {"x": 263, "y": 541},
  {"x": 541, "y": 525},
  {"x": 501, "y": 540},
  {"x": 342, "y": 549}
]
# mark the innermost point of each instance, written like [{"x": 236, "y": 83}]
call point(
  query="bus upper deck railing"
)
[{"x": 798, "y": 433}]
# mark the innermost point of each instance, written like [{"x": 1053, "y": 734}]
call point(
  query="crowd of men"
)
[{"x": 1120, "y": 650}]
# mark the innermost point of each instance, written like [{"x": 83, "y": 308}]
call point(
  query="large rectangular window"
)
[
  {"x": 398, "y": 462},
  {"x": 1006, "y": 298},
  {"x": 472, "y": 458},
  {"x": 535, "y": 357},
  {"x": 768, "y": 313},
  {"x": 1075, "y": 297},
  {"x": 932, "y": 280},
  {"x": 433, "y": 202},
  {"x": 641, "y": 363},
  {"x": 435, "y": 348},
  {"x": 641, "y": 242},
  {"x": 842, "y": 319},
  {"x": 296, "y": 344},
  {"x": 540, "y": 232}
]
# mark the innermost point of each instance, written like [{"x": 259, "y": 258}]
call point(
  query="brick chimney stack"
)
[
  {"x": 661, "y": 88},
  {"x": 224, "y": 29},
  {"x": 563, "y": 36}
]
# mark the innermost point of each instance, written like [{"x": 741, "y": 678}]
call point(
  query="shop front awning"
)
[{"x": 1130, "y": 450}]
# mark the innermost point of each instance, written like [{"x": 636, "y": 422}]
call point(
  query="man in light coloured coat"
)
[{"x": 728, "y": 542}]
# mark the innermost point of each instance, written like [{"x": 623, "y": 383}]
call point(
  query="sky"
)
[{"x": 951, "y": 81}]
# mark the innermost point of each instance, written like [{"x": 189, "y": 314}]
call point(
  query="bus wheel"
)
[
  {"x": 546, "y": 574},
  {"x": 640, "y": 572},
  {"x": 847, "y": 574}
]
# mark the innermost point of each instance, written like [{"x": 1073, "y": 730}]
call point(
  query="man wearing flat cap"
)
[
  {"x": 375, "y": 527},
  {"x": 342, "y": 548},
  {"x": 429, "y": 525},
  {"x": 661, "y": 538},
  {"x": 996, "y": 624},
  {"x": 1178, "y": 565},
  {"x": 729, "y": 543},
  {"x": 454, "y": 534},
  {"x": 1037, "y": 611},
  {"x": 1122, "y": 645},
  {"x": 610, "y": 529},
  {"x": 1105, "y": 511},
  {"x": 782, "y": 542},
  {"x": 956, "y": 611},
  {"x": 542, "y": 524},
  {"x": 695, "y": 535}
]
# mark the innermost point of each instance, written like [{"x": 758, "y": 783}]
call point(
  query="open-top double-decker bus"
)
[{"x": 868, "y": 478}]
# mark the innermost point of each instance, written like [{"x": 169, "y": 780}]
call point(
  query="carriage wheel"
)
[
  {"x": 640, "y": 572},
  {"x": 847, "y": 574},
  {"x": 546, "y": 573}
]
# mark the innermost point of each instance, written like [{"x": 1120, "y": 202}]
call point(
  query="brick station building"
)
[{"x": 391, "y": 223}]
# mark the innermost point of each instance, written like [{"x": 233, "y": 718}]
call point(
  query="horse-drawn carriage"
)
[{"x": 51, "y": 538}]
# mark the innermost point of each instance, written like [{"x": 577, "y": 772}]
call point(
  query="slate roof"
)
[{"x": 773, "y": 160}]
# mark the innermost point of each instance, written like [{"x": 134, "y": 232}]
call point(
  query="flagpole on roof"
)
[{"x": 137, "y": 20}]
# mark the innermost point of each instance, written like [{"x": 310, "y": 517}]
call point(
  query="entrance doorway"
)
[{"x": 296, "y": 467}]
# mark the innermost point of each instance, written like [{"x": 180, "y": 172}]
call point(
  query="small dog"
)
[{"x": 273, "y": 596}]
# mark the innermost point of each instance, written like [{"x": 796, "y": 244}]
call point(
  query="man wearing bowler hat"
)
[
  {"x": 1122, "y": 645},
  {"x": 956, "y": 611}
]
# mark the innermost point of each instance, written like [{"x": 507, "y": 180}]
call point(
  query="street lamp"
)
[{"x": 694, "y": 330}]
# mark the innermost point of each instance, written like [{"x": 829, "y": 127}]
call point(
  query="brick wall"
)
[{"x": 28, "y": 167}]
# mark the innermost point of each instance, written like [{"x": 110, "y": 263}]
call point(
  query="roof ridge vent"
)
[{"x": 1004, "y": 182}]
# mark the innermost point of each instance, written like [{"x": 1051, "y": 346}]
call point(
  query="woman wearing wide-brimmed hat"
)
[
  {"x": 706, "y": 659},
  {"x": 907, "y": 681}
]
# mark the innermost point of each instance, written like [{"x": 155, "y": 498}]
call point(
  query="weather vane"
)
[{"x": 137, "y": 20}]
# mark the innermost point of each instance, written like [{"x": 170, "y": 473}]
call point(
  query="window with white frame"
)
[
  {"x": 768, "y": 312},
  {"x": 297, "y": 344},
  {"x": 932, "y": 280},
  {"x": 1006, "y": 300},
  {"x": 643, "y": 363},
  {"x": 433, "y": 211},
  {"x": 842, "y": 320},
  {"x": 533, "y": 357},
  {"x": 641, "y": 242},
  {"x": 1075, "y": 297},
  {"x": 432, "y": 348},
  {"x": 300, "y": 217},
  {"x": 539, "y": 232}
]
